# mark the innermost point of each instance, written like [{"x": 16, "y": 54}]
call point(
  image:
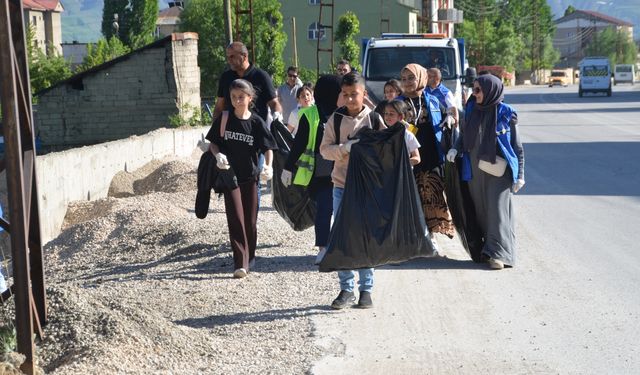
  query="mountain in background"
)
[
  {"x": 82, "y": 19},
  {"x": 625, "y": 10}
]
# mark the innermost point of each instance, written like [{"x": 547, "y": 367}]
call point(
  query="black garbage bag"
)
[
  {"x": 380, "y": 220},
  {"x": 292, "y": 203},
  {"x": 460, "y": 204}
]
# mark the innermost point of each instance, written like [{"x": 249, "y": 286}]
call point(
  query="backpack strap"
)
[
  {"x": 374, "y": 120},
  {"x": 337, "y": 121},
  {"x": 223, "y": 123}
]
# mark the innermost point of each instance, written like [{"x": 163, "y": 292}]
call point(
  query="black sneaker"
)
[
  {"x": 344, "y": 299},
  {"x": 365, "y": 301}
]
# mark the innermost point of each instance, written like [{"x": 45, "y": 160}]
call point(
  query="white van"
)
[
  {"x": 595, "y": 75},
  {"x": 624, "y": 73}
]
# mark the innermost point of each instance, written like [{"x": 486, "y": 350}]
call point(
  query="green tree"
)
[
  {"x": 616, "y": 45},
  {"x": 103, "y": 51},
  {"x": 348, "y": 28},
  {"x": 142, "y": 22},
  {"x": 204, "y": 17},
  {"x": 136, "y": 21},
  {"x": 45, "y": 70},
  {"x": 510, "y": 33},
  {"x": 570, "y": 9}
]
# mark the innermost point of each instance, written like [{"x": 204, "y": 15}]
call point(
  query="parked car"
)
[
  {"x": 559, "y": 78},
  {"x": 624, "y": 73}
]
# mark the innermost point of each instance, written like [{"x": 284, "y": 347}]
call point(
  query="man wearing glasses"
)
[{"x": 287, "y": 93}]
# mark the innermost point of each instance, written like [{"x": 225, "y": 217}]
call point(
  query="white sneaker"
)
[
  {"x": 436, "y": 249},
  {"x": 495, "y": 264},
  {"x": 240, "y": 273},
  {"x": 321, "y": 254}
]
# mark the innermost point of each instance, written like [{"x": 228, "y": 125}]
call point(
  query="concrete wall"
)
[
  {"x": 85, "y": 173},
  {"x": 130, "y": 95}
]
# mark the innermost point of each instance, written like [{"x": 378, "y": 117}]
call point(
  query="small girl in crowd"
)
[
  {"x": 245, "y": 136},
  {"x": 392, "y": 90},
  {"x": 305, "y": 99},
  {"x": 394, "y": 114}
]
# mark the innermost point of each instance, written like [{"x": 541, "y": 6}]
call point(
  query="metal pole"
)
[
  {"x": 11, "y": 123},
  {"x": 295, "y": 43},
  {"x": 228, "y": 32}
]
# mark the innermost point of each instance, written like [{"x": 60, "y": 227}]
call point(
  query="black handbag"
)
[{"x": 323, "y": 167}]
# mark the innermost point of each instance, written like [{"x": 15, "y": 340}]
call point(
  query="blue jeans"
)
[{"x": 347, "y": 278}]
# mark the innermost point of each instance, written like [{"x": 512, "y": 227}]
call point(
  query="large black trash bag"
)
[
  {"x": 292, "y": 203},
  {"x": 380, "y": 220},
  {"x": 459, "y": 201}
]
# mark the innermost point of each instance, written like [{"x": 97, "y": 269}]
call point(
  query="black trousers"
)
[{"x": 241, "y": 206}]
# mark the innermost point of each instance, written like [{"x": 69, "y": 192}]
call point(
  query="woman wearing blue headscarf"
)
[{"x": 493, "y": 154}]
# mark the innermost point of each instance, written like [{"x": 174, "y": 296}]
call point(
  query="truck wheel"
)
[
  {"x": 580, "y": 93},
  {"x": 609, "y": 92}
]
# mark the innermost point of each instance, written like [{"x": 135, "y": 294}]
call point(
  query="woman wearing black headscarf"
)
[{"x": 492, "y": 152}]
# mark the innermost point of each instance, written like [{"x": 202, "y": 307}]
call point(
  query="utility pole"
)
[
  {"x": 226, "y": 9},
  {"x": 295, "y": 43}
]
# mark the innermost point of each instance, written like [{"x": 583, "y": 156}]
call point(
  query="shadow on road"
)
[
  {"x": 590, "y": 168},
  {"x": 260, "y": 316},
  {"x": 437, "y": 263}
]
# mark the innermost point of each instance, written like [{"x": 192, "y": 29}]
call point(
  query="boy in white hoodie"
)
[{"x": 353, "y": 117}]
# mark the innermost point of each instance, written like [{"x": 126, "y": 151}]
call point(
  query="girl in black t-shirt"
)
[{"x": 245, "y": 136}]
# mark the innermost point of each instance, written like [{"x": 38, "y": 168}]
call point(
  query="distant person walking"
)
[
  {"x": 287, "y": 93},
  {"x": 436, "y": 88},
  {"x": 491, "y": 146}
]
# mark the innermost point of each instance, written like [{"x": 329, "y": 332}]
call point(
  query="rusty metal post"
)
[{"x": 24, "y": 220}]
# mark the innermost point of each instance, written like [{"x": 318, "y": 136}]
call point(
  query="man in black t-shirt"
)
[{"x": 266, "y": 97}]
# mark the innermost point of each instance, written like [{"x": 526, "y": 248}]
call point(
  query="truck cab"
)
[
  {"x": 384, "y": 58},
  {"x": 595, "y": 75}
]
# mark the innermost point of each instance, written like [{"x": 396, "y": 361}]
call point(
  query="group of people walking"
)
[{"x": 325, "y": 120}]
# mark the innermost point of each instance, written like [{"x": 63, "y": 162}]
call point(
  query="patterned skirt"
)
[{"x": 434, "y": 203}]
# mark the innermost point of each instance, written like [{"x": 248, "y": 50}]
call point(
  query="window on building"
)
[
  {"x": 35, "y": 20},
  {"x": 313, "y": 32},
  {"x": 314, "y": 2}
]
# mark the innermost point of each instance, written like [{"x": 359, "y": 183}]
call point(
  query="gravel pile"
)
[{"x": 137, "y": 284}]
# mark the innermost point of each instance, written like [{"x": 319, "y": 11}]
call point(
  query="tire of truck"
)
[
  {"x": 580, "y": 93},
  {"x": 609, "y": 92}
]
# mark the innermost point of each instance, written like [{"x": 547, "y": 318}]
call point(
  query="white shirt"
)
[{"x": 411, "y": 141}]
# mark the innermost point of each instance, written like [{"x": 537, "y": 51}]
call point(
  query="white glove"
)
[
  {"x": 278, "y": 116},
  {"x": 267, "y": 173},
  {"x": 517, "y": 185},
  {"x": 451, "y": 155},
  {"x": 221, "y": 161},
  {"x": 347, "y": 146},
  {"x": 204, "y": 146},
  {"x": 285, "y": 177}
]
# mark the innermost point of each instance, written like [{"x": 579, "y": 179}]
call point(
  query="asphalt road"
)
[{"x": 572, "y": 303}]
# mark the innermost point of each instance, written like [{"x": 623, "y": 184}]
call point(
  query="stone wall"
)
[{"x": 131, "y": 95}]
